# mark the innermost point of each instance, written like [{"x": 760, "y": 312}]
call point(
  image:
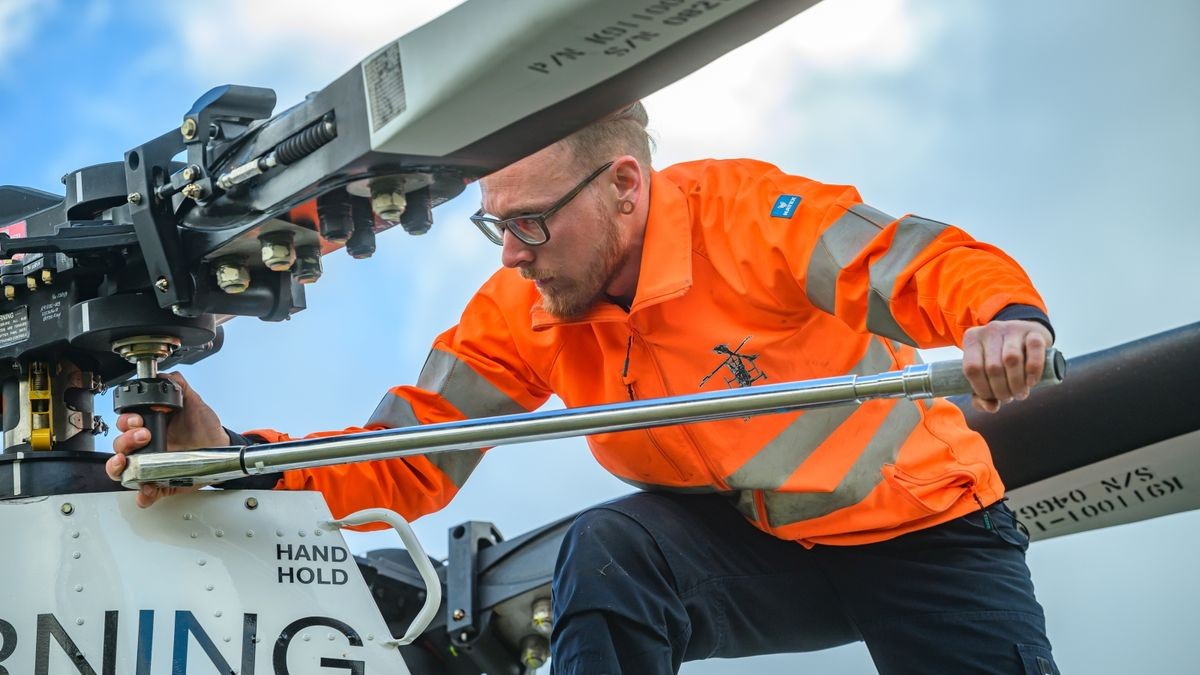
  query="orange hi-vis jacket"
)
[{"x": 748, "y": 276}]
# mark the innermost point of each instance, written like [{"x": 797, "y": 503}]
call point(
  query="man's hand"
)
[
  {"x": 1003, "y": 360},
  {"x": 193, "y": 426}
]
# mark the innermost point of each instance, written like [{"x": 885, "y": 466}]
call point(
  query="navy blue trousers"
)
[{"x": 649, "y": 581}]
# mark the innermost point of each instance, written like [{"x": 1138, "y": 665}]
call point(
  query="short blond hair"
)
[{"x": 621, "y": 133}]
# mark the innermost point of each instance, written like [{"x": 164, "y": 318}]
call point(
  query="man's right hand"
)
[{"x": 193, "y": 426}]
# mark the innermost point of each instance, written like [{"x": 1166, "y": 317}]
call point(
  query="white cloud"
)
[
  {"x": 754, "y": 87},
  {"x": 293, "y": 45},
  {"x": 18, "y": 21},
  {"x": 872, "y": 34}
]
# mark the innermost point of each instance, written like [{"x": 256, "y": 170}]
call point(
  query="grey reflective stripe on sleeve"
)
[
  {"x": 866, "y": 472},
  {"x": 779, "y": 459},
  {"x": 465, "y": 389},
  {"x": 394, "y": 411},
  {"x": 838, "y": 245},
  {"x": 913, "y": 235}
]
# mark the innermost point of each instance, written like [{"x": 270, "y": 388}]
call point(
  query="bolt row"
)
[
  {"x": 278, "y": 255},
  {"x": 45, "y": 276}
]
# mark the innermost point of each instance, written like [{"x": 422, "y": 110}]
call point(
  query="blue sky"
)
[{"x": 1063, "y": 132}]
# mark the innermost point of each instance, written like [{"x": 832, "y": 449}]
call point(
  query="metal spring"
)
[
  {"x": 40, "y": 380},
  {"x": 306, "y": 141}
]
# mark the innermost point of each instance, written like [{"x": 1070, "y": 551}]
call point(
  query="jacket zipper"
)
[
  {"x": 632, "y": 397},
  {"x": 718, "y": 480},
  {"x": 625, "y": 370}
]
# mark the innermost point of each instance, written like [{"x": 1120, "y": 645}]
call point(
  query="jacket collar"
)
[{"x": 665, "y": 271}]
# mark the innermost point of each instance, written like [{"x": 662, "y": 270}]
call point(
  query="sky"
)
[{"x": 1065, "y": 133}]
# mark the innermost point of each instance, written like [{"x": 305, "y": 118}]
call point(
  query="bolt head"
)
[
  {"x": 162, "y": 284},
  {"x": 388, "y": 205},
  {"x": 192, "y": 191},
  {"x": 10, "y": 292},
  {"x": 459, "y": 614},
  {"x": 233, "y": 278},
  {"x": 532, "y": 660},
  {"x": 47, "y": 277},
  {"x": 67, "y": 508},
  {"x": 251, "y": 503},
  {"x": 308, "y": 269},
  {"x": 278, "y": 256},
  {"x": 134, "y": 198},
  {"x": 191, "y": 172},
  {"x": 535, "y": 651},
  {"x": 188, "y": 129},
  {"x": 31, "y": 283},
  {"x": 542, "y": 622}
]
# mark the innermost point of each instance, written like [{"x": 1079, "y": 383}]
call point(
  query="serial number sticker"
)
[
  {"x": 1118, "y": 493},
  {"x": 14, "y": 326},
  {"x": 385, "y": 86}
]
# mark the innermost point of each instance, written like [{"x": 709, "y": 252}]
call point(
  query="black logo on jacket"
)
[{"x": 742, "y": 370}]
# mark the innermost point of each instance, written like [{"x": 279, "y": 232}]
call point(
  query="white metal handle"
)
[{"x": 433, "y": 584}]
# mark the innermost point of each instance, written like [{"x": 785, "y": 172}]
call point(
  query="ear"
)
[{"x": 627, "y": 177}]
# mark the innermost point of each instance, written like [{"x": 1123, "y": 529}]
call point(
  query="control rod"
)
[{"x": 205, "y": 467}]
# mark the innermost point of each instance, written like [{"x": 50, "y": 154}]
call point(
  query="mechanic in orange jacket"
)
[{"x": 882, "y": 522}]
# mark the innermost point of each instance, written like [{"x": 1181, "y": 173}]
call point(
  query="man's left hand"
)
[{"x": 1003, "y": 360}]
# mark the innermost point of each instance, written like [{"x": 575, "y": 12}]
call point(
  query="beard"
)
[{"x": 570, "y": 297}]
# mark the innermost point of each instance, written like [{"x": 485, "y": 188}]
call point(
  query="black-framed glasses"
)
[{"x": 529, "y": 228}]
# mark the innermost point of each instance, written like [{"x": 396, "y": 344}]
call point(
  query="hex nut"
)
[
  {"x": 308, "y": 268},
  {"x": 193, "y": 191},
  {"x": 277, "y": 254},
  {"x": 389, "y": 205},
  {"x": 541, "y": 619},
  {"x": 233, "y": 277},
  {"x": 535, "y": 651}
]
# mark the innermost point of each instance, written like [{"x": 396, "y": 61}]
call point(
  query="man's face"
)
[{"x": 573, "y": 269}]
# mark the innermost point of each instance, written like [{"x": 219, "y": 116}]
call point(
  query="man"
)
[{"x": 777, "y": 533}]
